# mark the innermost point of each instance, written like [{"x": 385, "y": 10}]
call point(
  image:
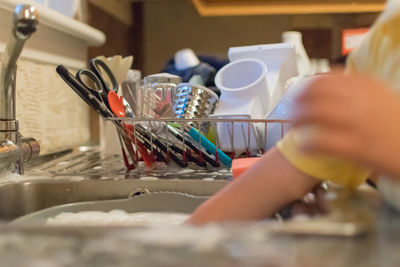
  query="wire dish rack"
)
[{"x": 195, "y": 143}]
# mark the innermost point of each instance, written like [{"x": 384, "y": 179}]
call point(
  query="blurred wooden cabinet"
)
[{"x": 264, "y": 7}]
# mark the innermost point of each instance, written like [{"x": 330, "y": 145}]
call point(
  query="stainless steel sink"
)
[
  {"x": 86, "y": 175},
  {"x": 18, "y": 199}
]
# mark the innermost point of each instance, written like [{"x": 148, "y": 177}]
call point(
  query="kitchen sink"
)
[
  {"x": 87, "y": 175},
  {"x": 77, "y": 178},
  {"x": 21, "y": 198}
]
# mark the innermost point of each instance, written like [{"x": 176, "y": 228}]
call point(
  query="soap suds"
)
[
  {"x": 61, "y": 163},
  {"x": 116, "y": 218},
  {"x": 148, "y": 178}
]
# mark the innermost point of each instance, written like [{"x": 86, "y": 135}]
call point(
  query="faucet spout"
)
[
  {"x": 26, "y": 19},
  {"x": 24, "y": 24}
]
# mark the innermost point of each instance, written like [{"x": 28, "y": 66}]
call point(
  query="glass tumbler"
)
[{"x": 159, "y": 92}]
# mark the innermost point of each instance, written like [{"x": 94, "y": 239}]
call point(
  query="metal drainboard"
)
[{"x": 90, "y": 162}]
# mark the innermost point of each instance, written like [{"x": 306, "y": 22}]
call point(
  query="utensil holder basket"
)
[{"x": 167, "y": 140}]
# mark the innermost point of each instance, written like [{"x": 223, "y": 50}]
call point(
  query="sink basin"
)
[
  {"x": 85, "y": 174},
  {"x": 21, "y": 198}
]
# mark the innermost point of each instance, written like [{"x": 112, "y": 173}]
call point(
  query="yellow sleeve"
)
[{"x": 321, "y": 167}]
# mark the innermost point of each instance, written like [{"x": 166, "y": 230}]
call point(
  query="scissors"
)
[
  {"x": 95, "y": 80},
  {"x": 91, "y": 86},
  {"x": 97, "y": 97},
  {"x": 89, "y": 96}
]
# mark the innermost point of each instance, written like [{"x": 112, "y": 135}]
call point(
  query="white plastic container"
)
[
  {"x": 244, "y": 89},
  {"x": 280, "y": 60},
  {"x": 283, "y": 111},
  {"x": 303, "y": 61},
  {"x": 238, "y": 137},
  {"x": 244, "y": 95}
]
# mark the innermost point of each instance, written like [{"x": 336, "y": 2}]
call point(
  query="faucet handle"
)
[
  {"x": 26, "y": 18},
  {"x": 30, "y": 148}
]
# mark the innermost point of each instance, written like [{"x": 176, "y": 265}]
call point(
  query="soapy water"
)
[
  {"x": 116, "y": 218},
  {"x": 10, "y": 177},
  {"x": 148, "y": 178}
]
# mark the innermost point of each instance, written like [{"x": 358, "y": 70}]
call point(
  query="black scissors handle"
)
[
  {"x": 96, "y": 87},
  {"x": 96, "y": 65},
  {"x": 82, "y": 92}
]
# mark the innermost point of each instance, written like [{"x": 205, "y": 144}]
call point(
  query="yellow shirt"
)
[
  {"x": 379, "y": 55},
  {"x": 321, "y": 167}
]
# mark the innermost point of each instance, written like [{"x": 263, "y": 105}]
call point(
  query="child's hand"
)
[
  {"x": 355, "y": 117},
  {"x": 312, "y": 204}
]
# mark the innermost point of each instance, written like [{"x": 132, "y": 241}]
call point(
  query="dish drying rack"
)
[
  {"x": 155, "y": 140},
  {"x": 179, "y": 131}
]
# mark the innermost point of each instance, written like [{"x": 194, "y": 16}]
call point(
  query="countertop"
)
[
  {"x": 373, "y": 240},
  {"x": 359, "y": 230}
]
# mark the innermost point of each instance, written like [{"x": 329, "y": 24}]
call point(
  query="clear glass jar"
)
[{"x": 158, "y": 93}]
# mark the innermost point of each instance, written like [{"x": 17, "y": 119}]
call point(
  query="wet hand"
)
[{"x": 354, "y": 117}]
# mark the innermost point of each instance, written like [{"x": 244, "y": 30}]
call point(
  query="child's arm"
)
[{"x": 258, "y": 193}]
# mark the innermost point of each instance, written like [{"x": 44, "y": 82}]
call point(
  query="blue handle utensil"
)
[{"x": 210, "y": 147}]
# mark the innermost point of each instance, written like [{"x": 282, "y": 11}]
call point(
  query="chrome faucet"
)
[{"x": 14, "y": 149}]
